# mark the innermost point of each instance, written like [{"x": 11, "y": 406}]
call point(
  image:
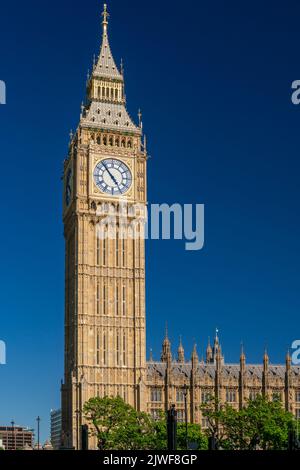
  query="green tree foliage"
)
[
  {"x": 118, "y": 426},
  {"x": 262, "y": 424}
]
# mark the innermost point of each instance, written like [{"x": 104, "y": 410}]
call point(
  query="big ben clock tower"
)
[{"x": 105, "y": 275}]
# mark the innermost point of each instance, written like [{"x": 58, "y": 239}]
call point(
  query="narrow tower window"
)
[
  {"x": 123, "y": 253},
  {"x": 97, "y": 249},
  {"x": 118, "y": 349},
  {"x": 104, "y": 249},
  {"x": 98, "y": 350},
  {"x": 98, "y": 298},
  {"x": 117, "y": 249},
  {"x": 104, "y": 350},
  {"x": 124, "y": 349},
  {"x": 117, "y": 299},
  {"x": 124, "y": 301},
  {"x": 104, "y": 299}
]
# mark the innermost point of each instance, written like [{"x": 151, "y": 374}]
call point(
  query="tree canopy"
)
[{"x": 261, "y": 424}]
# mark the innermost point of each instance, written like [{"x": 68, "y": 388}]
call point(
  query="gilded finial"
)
[{"x": 105, "y": 15}]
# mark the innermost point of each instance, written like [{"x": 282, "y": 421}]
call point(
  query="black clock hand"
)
[{"x": 112, "y": 176}]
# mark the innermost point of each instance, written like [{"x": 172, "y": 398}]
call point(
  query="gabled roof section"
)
[{"x": 109, "y": 116}]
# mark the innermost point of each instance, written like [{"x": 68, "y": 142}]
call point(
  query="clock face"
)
[
  {"x": 112, "y": 177},
  {"x": 68, "y": 190}
]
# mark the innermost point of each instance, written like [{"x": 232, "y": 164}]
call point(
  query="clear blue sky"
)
[{"x": 213, "y": 80}]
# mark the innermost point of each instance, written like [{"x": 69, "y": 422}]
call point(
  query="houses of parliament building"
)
[{"x": 105, "y": 339}]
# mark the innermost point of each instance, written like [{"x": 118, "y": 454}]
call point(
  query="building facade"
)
[
  {"x": 104, "y": 209},
  {"x": 55, "y": 423},
  {"x": 16, "y": 437},
  {"x": 174, "y": 380}
]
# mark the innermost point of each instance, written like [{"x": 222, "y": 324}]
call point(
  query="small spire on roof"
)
[
  {"x": 266, "y": 356},
  {"x": 71, "y": 135},
  {"x": 82, "y": 109},
  {"x": 242, "y": 357},
  {"x": 122, "y": 67},
  {"x": 151, "y": 355},
  {"x": 166, "y": 333},
  {"x": 140, "y": 118},
  {"x": 195, "y": 357},
  {"x": 180, "y": 351}
]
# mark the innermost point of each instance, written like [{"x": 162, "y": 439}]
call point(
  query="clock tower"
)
[{"x": 104, "y": 196}]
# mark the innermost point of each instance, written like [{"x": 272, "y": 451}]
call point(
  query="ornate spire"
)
[
  {"x": 208, "y": 352},
  {"x": 180, "y": 352},
  {"x": 151, "y": 355},
  {"x": 242, "y": 357},
  {"x": 217, "y": 350},
  {"x": 106, "y": 100},
  {"x": 166, "y": 348},
  {"x": 288, "y": 360},
  {"x": 266, "y": 358},
  {"x": 195, "y": 358},
  {"x": 106, "y": 66}
]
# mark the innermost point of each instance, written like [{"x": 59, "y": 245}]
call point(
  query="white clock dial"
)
[{"x": 112, "y": 176}]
